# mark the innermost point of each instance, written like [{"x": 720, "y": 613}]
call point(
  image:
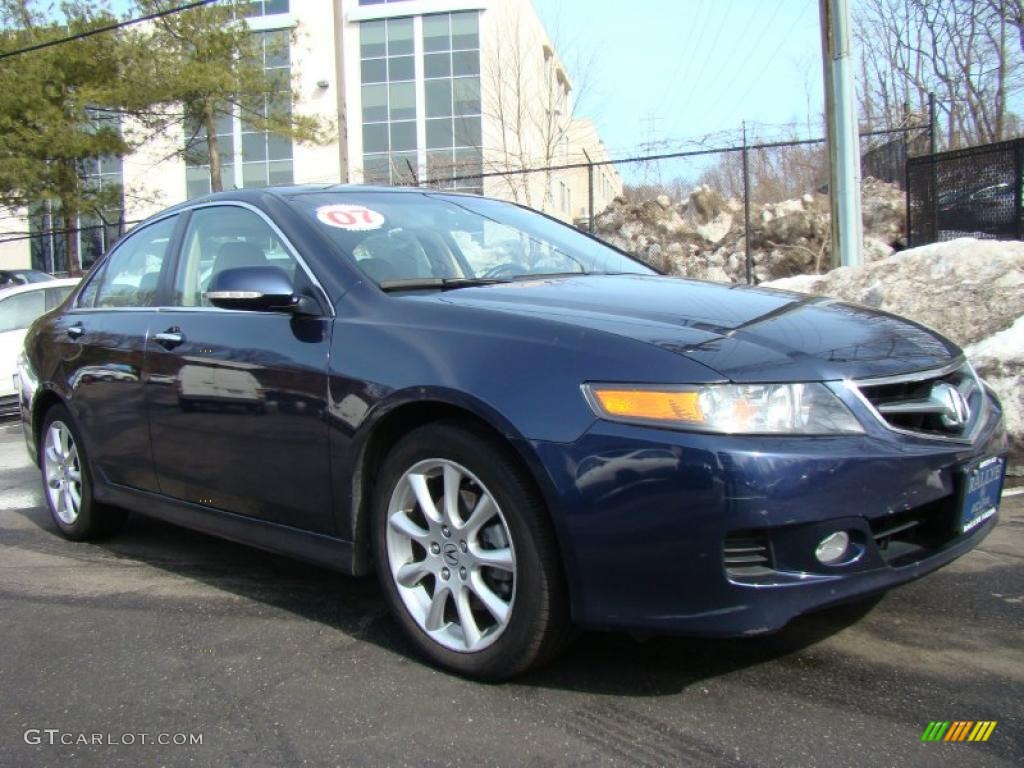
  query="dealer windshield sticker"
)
[{"x": 351, "y": 217}]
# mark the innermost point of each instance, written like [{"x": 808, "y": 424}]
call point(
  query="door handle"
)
[
  {"x": 75, "y": 331},
  {"x": 170, "y": 338}
]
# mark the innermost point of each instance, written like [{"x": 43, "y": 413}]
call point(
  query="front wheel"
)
[{"x": 466, "y": 554}]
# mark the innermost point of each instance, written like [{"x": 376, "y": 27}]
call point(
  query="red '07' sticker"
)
[{"x": 352, "y": 217}]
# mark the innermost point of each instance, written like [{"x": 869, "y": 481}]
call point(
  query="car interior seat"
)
[
  {"x": 401, "y": 256},
  {"x": 148, "y": 287},
  {"x": 235, "y": 254}
]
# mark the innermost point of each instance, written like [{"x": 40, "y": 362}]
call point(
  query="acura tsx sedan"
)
[{"x": 520, "y": 429}]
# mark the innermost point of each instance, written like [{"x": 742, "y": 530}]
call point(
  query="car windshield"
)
[{"x": 400, "y": 239}]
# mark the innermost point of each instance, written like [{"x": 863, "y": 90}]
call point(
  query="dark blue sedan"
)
[{"x": 519, "y": 428}]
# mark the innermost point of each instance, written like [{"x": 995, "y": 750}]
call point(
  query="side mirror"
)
[{"x": 258, "y": 289}]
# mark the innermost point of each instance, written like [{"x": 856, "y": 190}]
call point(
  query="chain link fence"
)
[
  {"x": 755, "y": 173},
  {"x": 746, "y": 175},
  {"x": 764, "y": 179}
]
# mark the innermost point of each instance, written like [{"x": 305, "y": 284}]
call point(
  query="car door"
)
[
  {"x": 237, "y": 399},
  {"x": 101, "y": 341}
]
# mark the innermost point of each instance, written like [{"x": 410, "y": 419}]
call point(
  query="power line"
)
[
  {"x": 752, "y": 50},
  {"x": 108, "y": 28},
  {"x": 687, "y": 50},
  {"x": 695, "y": 80},
  {"x": 770, "y": 60},
  {"x": 691, "y": 62},
  {"x": 752, "y": 19}
]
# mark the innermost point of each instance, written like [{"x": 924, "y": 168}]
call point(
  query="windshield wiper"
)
[
  {"x": 441, "y": 283},
  {"x": 542, "y": 275}
]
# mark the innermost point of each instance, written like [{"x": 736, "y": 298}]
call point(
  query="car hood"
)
[{"x": 745, "y": 334}]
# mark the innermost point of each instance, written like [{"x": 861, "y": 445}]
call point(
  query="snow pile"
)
[
  {"x": 703, "y": 236},
  {"x": 969, "y": 290}
]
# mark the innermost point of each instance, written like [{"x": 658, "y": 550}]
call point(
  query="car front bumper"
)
[{"x": 656, "y": 526}]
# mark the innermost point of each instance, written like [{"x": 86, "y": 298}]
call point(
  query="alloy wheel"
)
[
  {"x": 450, "y": 555},
  {"x": 63, "y": 472}
]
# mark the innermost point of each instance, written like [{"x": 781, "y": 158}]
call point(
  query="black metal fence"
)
[
  {"x": 973, "y": 192},
  {"x": 887, "y": 161}
]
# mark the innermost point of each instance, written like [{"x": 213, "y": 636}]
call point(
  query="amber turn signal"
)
[{"x": 650, "y": 405}]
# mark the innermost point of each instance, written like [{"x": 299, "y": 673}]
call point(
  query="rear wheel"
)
[
  {"x": 466, "y": 554},
  {"x": 67, "y": 482}
]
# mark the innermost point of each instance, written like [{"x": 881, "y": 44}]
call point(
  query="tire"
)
[
  {"x": 69, "y": 469},
  {"x": 447, "y": 577}
]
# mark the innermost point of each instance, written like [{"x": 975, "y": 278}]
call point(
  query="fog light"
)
[{"x": 832, "y": 548}]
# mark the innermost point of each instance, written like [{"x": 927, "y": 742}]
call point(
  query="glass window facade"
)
[
  {"x": 388, "y": 67},
  {"x": 434, "y": 137},
  {"x": 266, "y": 7},
  {"x": 263, "y": 158},
  {"x": 451, "y": 59}
]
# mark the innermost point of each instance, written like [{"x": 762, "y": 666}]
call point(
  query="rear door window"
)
[{"x": 131, "y": 275}]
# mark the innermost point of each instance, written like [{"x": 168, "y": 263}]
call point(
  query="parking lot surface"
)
[{"x": 161, "y": 631}]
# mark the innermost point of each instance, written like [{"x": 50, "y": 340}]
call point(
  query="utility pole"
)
[
  {"x": 843, "y": 138},
  {"x": 590, "y": 191},
  {"x": 746, "y": 209}
]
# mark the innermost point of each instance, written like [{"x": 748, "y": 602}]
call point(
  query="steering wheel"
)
[{"x": 508, "y": 269}]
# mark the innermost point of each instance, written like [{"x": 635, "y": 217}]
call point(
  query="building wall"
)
[
  {"x": 315, "y": 62},
  {"x": 152, "y": 177},
  {"x": 527, "y": 105},
  {"x": 606, "y": 179},
  {"x": 14, "y": 253},
  {"x": 530, "y": 123}
]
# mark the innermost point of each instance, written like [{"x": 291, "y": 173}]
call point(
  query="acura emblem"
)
[
  {"x": 954, "y": 410},
  {"x": 450, "y": 553}
]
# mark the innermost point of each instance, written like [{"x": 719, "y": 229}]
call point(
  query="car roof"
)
[
  {"x": 15, "y": 289},
  {"x": 255, "y": 194}
]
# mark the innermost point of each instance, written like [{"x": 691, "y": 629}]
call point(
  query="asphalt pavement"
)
[{"x": 161, "y": 634}]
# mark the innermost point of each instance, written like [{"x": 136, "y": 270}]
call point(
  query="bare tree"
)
[
  {"x": 962, "y": 50},
  {"x": 529, "y": 105},
  {"x": 776, "y": 173}
]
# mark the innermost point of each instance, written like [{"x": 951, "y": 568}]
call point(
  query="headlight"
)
[{"x": 750, "y": 409}]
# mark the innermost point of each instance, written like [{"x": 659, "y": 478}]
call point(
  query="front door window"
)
[{"x": 225, "y": 237}]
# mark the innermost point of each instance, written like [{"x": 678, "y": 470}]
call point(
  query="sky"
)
[{"x": 671, "y": 70}]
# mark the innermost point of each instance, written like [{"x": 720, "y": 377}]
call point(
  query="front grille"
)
[
  {"x": 747, "y": 554},
  {"x": 940, "y": 404},
  {"x": 906, "y": 537}
]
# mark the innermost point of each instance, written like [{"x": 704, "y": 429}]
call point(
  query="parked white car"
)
[{"x": 19, "y": 306}]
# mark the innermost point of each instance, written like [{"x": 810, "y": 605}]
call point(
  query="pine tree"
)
[
  {"x": 50, "y": 128},
  {"x": 208, "y": 65}
]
